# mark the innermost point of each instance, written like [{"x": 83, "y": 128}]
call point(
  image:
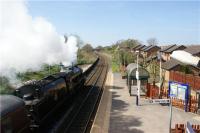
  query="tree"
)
[
  {"x": 152, "y": 41},
  {"x": 100, "y": 47},
  {"x": 87, "y": 48}
]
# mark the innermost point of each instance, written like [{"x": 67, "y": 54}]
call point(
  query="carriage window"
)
[{"x": 7, "y": 125}]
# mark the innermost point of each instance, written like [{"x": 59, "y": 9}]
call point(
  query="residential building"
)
[
  {"x": 150, "y": 51},
  {"x": 166, "y": 53},
  {"x": 194, "y": 50},
  {"x": 174, "y": 70}
]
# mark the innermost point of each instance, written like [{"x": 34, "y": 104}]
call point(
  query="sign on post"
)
[
  {"x": 159, "y": 101},
  {"x": 179, "y": 91}
]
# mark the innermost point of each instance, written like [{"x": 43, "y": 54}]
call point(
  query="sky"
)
[{"x": 105, "y": 22}]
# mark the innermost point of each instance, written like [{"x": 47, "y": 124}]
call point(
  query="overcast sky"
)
[{"x": 103, "y": 23}]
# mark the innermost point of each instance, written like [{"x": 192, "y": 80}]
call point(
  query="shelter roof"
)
[{"x": 131, "y": 70}]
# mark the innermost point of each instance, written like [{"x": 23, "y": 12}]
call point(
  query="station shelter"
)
[{"x": 132, "y": 81}]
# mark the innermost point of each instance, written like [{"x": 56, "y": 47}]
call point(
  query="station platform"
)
[
  {"x": 118, "y": 113},
  {"x": 85, "y": 67}
]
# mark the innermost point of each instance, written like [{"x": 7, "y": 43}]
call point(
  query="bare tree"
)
[{"x": 152, "y": 41}]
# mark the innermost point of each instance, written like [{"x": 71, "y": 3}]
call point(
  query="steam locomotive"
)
[{"x": 42, "y": 97}]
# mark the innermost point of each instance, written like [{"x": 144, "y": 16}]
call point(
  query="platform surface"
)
[{"x": 118, "y": 112}]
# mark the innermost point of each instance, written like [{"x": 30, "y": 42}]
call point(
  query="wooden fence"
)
[
  {"x": 181, "y": 128},
  {"x": 153, "y": 93},
  {"x": 192, "y": 80}
]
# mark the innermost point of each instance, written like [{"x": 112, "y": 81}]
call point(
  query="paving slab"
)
[{"x": 121, "y": 115}]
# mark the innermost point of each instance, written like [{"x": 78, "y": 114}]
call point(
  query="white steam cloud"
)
[{"x": 26, "y": 43}]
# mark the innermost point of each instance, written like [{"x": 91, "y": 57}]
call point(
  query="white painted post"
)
[{"x": 138, "y": 81}]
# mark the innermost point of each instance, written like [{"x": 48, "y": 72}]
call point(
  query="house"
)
[
  {"x": 142, "y": 50},
  {"x": 140, "y": 47},
  {"x": 174, "y": 70},
  {"x": 194, "y": 50},
  {"x": 163, "y": 55},
  {"x": 150, "y": 51},
  {"x": 168, "y": 51},
  {"x": 134, "y": 48}
]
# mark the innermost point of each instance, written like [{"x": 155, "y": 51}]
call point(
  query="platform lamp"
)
[
  {"x": 160, "y": 77},
  {"x": 138, "y": 81}
]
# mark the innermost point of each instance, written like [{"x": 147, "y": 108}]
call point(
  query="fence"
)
[
  {"x": 181, "y": 128},
  {"x": 153, "y": 92},
  {"x": 192, "y": 80}
]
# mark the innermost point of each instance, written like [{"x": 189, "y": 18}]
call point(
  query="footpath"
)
[{"x": 118, "y": 113}]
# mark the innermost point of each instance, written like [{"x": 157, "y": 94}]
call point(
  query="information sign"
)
[{"x": 179, "y": 91}]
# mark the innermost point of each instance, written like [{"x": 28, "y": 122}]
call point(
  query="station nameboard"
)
[{"x": 159, "y": 101}]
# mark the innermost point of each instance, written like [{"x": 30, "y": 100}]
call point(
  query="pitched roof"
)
[
  {"x": 136, "y": 46},
  {"x": 168, "y": 65},
  {"x": 194, "y": 49},
  {"x": 145, "y": 47},
  {"x": 177, "y": 47},
  {"x": 167, "y": 47},
  {"x": 140, "y": 47},
  {"x": 152, "y": 46}
]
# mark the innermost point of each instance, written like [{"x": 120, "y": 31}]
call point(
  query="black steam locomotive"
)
[{"x": 43, "y": 96}]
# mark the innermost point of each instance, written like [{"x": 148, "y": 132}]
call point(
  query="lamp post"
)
[
  {"x": 138, "y": 81},
  {"x": 159, "y": 57}
]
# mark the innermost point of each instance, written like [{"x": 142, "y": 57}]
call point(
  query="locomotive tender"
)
[
  {"x": 42, "y": 97},
  {"x": 13, "y": 115}
]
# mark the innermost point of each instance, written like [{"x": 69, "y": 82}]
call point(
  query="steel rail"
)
[{"x": 77, "y": 124}]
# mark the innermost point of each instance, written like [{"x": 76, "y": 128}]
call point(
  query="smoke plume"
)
[{"x": 26, "y": 43}]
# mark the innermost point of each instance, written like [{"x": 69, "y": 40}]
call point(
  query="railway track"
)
[
  {"x": 76, "y": 114},
  {"x": 82, "y": 120}
]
